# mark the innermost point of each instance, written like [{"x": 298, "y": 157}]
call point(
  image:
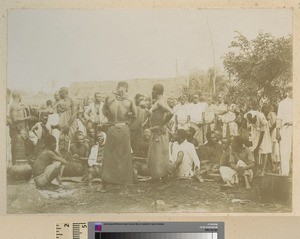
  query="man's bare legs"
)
[
  {"x": 264, "y": 163},
  {"x": 248, "y": 187}
]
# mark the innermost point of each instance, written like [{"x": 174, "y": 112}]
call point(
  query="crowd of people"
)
[{"x": 119, "y": 138}]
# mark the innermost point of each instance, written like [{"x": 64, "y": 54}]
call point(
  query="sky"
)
[{"x": 53, "y": 48}]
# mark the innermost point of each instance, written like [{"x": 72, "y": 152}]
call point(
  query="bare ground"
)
[{"x": 178, "y": 196}]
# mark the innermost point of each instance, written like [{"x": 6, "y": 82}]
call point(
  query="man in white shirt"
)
[
  {"x": 94, "y": 113},
  {"x": 210, "y": 115},
  {"x": 184, "y": 156},
  {"x": 181, "y": 113},
  {"x": 220, "y": 111},
  {"x": 196, "y": 112},
  {"x": 284, "y": 130}
]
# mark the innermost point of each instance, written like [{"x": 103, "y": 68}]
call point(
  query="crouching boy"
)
[{"x": 48, "y": 166}]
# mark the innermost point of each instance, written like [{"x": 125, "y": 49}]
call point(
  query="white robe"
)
[
  {"x": 190, "y": 159},
  {"x": 285, "y": 114},
  {"x": 182, "y": 112},
  {"x": 261, "y": 125}
]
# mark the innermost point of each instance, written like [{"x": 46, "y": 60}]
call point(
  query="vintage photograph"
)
[{"x": 157, "y": 110}]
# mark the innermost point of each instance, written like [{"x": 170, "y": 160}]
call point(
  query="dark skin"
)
[
  {"x": 238, "y": 148},
  {"x": 183, "y": 99},
  {"x": 64, "y": 96},
  {"x": 160, "y": 104},
  {"x": 57, "y": 156},
  {"x": 161, "y": 114},
  {"x": 240, "y": 169},
  {"x": 252, "y": 120},
  {"x": 119, "y": 111},
  {"x": 81, "y": 148},
  {"x": 15, "y": 111},
  {"x": 180, "y": 140}
]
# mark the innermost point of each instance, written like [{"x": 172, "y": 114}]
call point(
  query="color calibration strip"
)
[
  {"x": 140, "y": 230},
  {"x": 155, "y": 235},
  {"x": 71, "y": 230},
  {"x": 156, "y": 230}
]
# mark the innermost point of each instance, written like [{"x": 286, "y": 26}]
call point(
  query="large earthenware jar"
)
[
  {"x": 275, "y": 188},
  {"x": 21, "y": 170}
]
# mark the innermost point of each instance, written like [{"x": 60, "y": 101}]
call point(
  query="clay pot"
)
[{"x": 21, "y": 170}]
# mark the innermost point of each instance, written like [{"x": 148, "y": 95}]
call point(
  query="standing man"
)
[
  {"x": 220, "y": 111},
  {"x": 56, "y": 101},
  {"x": 137, "y": 125},
  {"x": 158, "y": 154},
  {"x": 67, "y": 113},
  {"x": 260, "y": 137},
  {"x": 49, "y": 107},
  {"x": 53, "y": 120},
  {"x": 210, "y": 115},
  {"x": 94, "y": 113},
  {"x": 196, "y": 112},
  {"x": 181, "y": 113},
  {"x": 284, "y": 130},
  {"x": 117, "y": 162},
  {"x": 19, "y": 128}
]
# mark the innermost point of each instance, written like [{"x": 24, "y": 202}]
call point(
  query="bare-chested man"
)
[
  {"x": 158, "y": 154},
  {"x": 79, "y": 151},
  {"x": 56, "y": 101},
  {"x": 117, "y": 163},
  {"x": 67, "y": 113},
  {"x": 19, "y": 127}
]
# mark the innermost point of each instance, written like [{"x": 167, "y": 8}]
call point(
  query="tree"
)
[
  {"x": 263, "y": 64},
  {"x": 202, "y": 81}
]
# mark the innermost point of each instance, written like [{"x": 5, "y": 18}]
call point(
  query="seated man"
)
[
  {"x": 184, "y": 156},
  {"x": 48, "y": 165},
  {"x": 140, "y": 162},
  {"x": 79, "y": 124},
  {"x": 241, "y": 162},
  {"x": 96, "y": 158},
  {"x": 79, "y": 151},
  {"x": 210, "y": 154}
]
